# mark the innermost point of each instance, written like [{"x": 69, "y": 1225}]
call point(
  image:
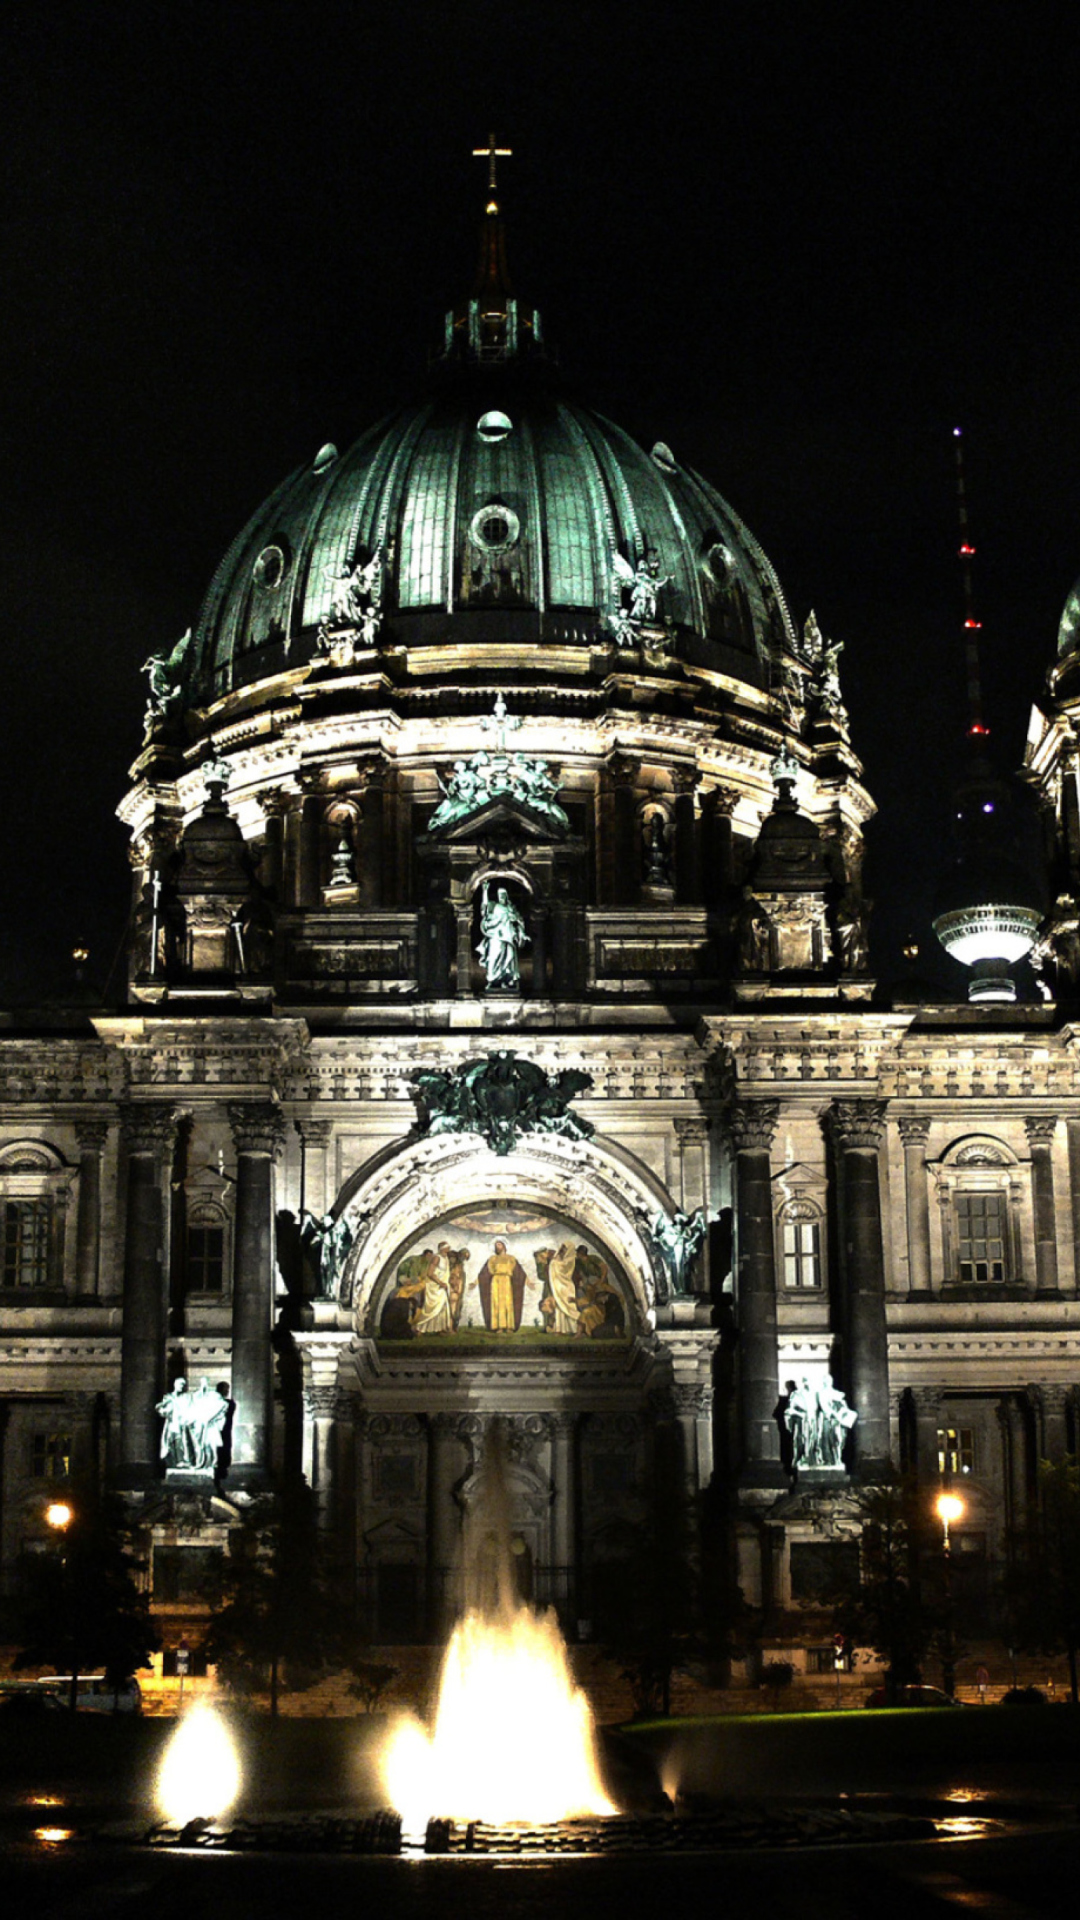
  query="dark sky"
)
[{"x": 798, "y": 242}]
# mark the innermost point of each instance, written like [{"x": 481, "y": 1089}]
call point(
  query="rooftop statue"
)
[
  {"x": 166, "y": 671},
  {"x": 501, "y": 1097},
  {"x": 193, "y": 1425},
  {"x": 498, "y": 776},
  {"x": 680, "y": 1237},
  {"x": 355, "y": 616},
  {"x": 635, "y": 625},
  {"x": 822, "y": 657}
]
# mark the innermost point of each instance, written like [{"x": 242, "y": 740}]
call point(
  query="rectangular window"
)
[
  {"x": 802, "y": 1253},
  {"x": 26, "y": 1243},
  {"x": 956, "y": 1450},
  {"x": 206, "y": 1259},
  {"x": 50, "y": 1456},
  {"x": 980, "y": 1227}
]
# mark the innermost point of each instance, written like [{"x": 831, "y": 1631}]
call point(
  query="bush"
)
[
  {"x": 1024, "y": 1697},
  {"x": 777, "y": 1675}
]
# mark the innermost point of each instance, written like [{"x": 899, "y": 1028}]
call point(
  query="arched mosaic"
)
[{"x": 492, "y": 1273}]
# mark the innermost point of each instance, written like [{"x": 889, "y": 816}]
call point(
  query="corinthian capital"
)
[
  {"x": 753, "y": 1124},
  {"x": 1040, "y": 1129},
  {"x": 149, "y": 1129},
  {"x": 257, "y": 1127},
  {"x": 858, "y": 1124}
]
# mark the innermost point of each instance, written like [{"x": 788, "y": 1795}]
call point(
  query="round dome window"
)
[
  {"x": 324, "y": 458},
  {"x": 494, "y": 426},
  {"x": 269, "y": 568},
  {"x": 494, "y": 528}
]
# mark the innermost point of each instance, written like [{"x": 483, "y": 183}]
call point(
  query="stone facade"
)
[{"x": 239, "y": 1177}]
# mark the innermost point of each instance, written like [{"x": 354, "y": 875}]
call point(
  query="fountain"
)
[{"x": 512, "y": 1739}]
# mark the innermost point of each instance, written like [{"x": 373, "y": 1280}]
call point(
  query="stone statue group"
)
[
  {"x": 193, "y": 1425},
  {"x": 819, "y": 1420}
]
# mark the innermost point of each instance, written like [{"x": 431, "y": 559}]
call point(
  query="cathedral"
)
[{"x": 499, "y": 1052}]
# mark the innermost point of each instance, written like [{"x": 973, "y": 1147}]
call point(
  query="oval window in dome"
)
[
  {"x": 324, "y": 458},
  {"x": 719, "y": 563},
  {"x": 269, "y": 569},
  {"x": 494, "y": 426},
  {"x": 495, "y": 528}
]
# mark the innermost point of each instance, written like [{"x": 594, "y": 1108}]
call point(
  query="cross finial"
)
[{"x": 491, "y": 153}]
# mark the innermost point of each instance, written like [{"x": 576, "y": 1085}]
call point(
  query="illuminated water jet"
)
[
  {"x": 199, "y": 1777},
  {"x": 513, "y": 1737}
]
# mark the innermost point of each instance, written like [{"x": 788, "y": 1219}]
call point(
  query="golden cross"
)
[{"x": 491, "y": 153}]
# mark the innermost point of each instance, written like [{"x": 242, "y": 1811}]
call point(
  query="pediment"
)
[{"x": 500, "y": 815}]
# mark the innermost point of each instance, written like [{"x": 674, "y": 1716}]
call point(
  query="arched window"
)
[
  {"x": 800, "y": 1245},
  {"x": 35, "y": 1186}
]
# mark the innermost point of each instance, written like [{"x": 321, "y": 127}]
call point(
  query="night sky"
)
[{"x": 798, "y": 242}]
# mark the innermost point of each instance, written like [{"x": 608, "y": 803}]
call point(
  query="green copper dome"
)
[{"x": 492, "y": 509}]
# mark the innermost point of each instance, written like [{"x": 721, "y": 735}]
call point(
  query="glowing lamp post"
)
[
  {"x": 950, "y": 1509},
  {"x": 59, "y": 1516}
]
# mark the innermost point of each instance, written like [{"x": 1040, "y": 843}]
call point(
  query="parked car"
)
[{"x": 912, "y": 1697}]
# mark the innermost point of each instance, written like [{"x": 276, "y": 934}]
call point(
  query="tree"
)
[
  {"x": 651, "y": 1619},
  {"x": 79, "y": 1608},
  {"x": 1042, "y": 1587},
  {"x": 279, "y": 1620},
  {"x": 890, "y": 1611}
]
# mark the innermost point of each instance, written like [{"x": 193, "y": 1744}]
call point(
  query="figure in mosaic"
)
[{"x": 501, "y": 1283}]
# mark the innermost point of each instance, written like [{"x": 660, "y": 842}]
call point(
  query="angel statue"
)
[
  {"x": 353, "y": 593},
  {"x": 644, "y": 583},
  {"x": 679, "y": 1237},
  {"x": 166, "y": 672},
  {"x": 327, "y": 1243}
]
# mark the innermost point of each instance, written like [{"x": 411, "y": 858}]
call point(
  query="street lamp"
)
[
  {"x": 950, "y": 1509},
  {"x": 59, "y": 1516}
]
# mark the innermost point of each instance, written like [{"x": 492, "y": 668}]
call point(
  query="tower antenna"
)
[{"x": 977, "y": 728}]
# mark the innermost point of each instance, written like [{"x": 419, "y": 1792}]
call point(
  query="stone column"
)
[
  {"x": 1040, "y": 1133},
  {"x": 319, "y": 1403},
  {"x": 927, "y": 1404},
  {"x": 717, "y": 807},
  {"x": 564, "y": 1513},
  {"x": 914, "y": 1132},
  {"x": 538, "y": 929},
  {"x": 693, "y": 1411},
  {"x": 148, "y": 1134},
  {"x": 1051, "y": 1404},
  {"x": 1072, "y": 1130},
  {"x": 464, "y": 918},
  {"x": 273, "y": 860},
  {"x": 257, "y": 1129},
  {"x": 1011, "y": 1414},
  {"x": 91, "y": 1136},
  {"x": 443, "y": 1530},
  {"x": 625, "y": 853},
  {"x": 686, "y": 781},
  {"x": 309, "y": 892},
  {"x": 857, "y": 1127},
  {"x": 753, "y": 1124},
  {"x": 315, "y": 1137}
]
